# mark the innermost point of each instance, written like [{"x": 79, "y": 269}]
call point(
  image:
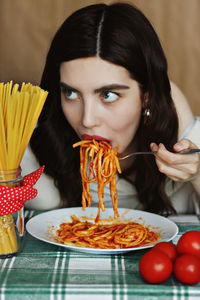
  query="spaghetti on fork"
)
[{"x": 98, "y": 162}]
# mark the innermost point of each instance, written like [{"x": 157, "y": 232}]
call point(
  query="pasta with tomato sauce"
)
[
  {"x": 109, "y": 236},
  {"x": 98, "y": 162}
]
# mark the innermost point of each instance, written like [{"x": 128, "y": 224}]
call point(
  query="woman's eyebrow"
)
[
  {"x": 99, "y": 90},
  {"x": 64, "y": 85},
  {"x": 111, "y": 87}
]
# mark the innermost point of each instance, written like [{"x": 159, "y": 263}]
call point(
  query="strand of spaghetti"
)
[
  {"x": 100, "y": 180},
  {"x": 107, "y": 167},
  {"x": 96, "y": 144},
  {"x": 15, "y": 88},
  {"x": 8, "y": 88},
  {"x": 3, "y": 95},
  {"x": 84, "y": 197},
  {"x": 80, "y": 143},
  {"x": 104, "y": 143},
  {"x": 14, "y": 133},
  {"x": 84, "y": 165},
  {"x": 86, "y": 178},
  {"x": 98, "y": 168},
  {"x": 91, "y": 164},
  {"x": 34, "y": 119},
  {"x": 23, "y": 122},
  {"x": 9, "y": 121},
  {"x": 113, "y": 192},
  {"x": 90, "y": 172},
  {"x": 3, "y": 158}
]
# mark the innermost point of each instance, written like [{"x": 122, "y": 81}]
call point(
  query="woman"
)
[{"x": 106, "y": 74}]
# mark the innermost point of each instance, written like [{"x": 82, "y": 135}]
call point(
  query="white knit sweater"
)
[{"x": 182, "y": 194}]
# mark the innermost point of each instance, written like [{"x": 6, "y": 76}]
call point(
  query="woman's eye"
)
[
  {"x": 109, "y": 96},
  {"x": 70, "y": 94}
]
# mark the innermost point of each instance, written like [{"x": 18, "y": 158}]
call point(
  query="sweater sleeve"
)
[
  {"x": 48, "y": 196},
  {"x": 182, "y": 194},
  {"x": 192, "y": 132}
]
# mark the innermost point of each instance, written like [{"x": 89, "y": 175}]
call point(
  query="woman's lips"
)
[{"x": 95, "y": 137}]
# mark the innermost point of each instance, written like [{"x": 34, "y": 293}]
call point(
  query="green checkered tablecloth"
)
[{"x": 44, "y": 271}]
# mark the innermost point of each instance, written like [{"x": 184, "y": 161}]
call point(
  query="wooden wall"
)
[{"x": 27, "y": 27}]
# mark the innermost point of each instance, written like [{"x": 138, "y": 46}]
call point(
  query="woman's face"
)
[{"x": 100, "y": 100}]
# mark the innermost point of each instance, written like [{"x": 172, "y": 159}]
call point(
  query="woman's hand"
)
[{"x": 177, "y": 166}]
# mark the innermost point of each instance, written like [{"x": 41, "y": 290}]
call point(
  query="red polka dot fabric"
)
[{"x": 12, "y": 199}]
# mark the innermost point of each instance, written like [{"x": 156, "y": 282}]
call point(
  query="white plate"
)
[{"x": 39, "y": 225}]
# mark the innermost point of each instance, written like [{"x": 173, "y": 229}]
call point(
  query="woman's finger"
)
[
  {"x": 176, "y": 174},
  {"x": 176, "y": 166},
  {"x": 175, "y": 159}
]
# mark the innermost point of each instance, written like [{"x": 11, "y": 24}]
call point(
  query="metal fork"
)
[{"x": 191, "y": 151}]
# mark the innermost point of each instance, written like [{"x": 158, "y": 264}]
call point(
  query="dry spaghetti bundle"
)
[
  {"x": 19, "y": 112},
  {"x": 108, "y": 236},
  {"x": 98, "y": 162}
]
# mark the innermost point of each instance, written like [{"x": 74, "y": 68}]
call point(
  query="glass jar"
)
[{"x": 11, "y": 226}]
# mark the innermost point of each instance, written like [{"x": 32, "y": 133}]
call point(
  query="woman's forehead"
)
[{"x": 93, "y": 69}]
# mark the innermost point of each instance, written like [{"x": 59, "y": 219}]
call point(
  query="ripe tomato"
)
[
  {"x": 187, "y": 268},
  {"x": 155, "y": 266},
  {"x": 189, "y": 243},
  {"x": 168, "y": 248}
]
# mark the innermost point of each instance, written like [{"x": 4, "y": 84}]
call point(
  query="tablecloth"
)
[{"x": 45, "y": 271}]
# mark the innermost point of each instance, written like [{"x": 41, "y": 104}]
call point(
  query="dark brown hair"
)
[{"x": 121, "y": 34}]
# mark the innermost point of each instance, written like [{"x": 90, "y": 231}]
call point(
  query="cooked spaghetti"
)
[
  {"x": 110, "y": 236},
  {"x": 19, "y": 112},
  {"x": 98, "y": 162}
]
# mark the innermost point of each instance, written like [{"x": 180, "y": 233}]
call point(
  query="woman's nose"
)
[{"x": 90, "y": 114}]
